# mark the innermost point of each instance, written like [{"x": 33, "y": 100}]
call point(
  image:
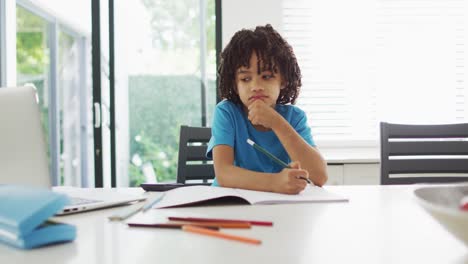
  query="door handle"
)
[{"x": 97, "y": 115}]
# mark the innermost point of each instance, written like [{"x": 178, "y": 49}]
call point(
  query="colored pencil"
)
[
  {"x": 239, "y": 225},
  {"x": 464, "y": 203},
  {"x": 152, "y": 202},
  {"x": 168, "y": 225},
  {"x": 204, "y": 231},
  {"x": 126, "y": 212},
  {"x": 200, "y": 219},
  {"x": 245, "y": 225},
  {"x": 274, "y": 158}
]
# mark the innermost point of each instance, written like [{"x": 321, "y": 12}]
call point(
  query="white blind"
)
[{"x": 366, "y": 61}]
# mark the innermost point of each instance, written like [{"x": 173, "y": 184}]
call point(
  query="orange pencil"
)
[{"x": 204, "y": 231}]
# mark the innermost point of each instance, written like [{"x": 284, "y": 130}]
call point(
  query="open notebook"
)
[{"x": 197, "y": 194}]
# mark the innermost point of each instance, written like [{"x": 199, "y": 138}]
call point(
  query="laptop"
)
[{"x": 23, "y": 154}]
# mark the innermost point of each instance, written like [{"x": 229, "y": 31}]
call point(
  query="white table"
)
[{"x": 380, "y": 224}]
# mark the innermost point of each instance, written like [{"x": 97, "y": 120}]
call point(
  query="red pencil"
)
[
  {"x": 200, "y": 219},
  {"x": 464, "y": 203}
]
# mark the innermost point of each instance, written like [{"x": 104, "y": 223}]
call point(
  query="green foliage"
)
[
  {"x": 162, "y": 158},
  {"x": 31, "y": 43},
  {"x": 31, "y": 56},
  {"x": 158, "y": 106},
  {"x": 176, "y": 24},
  {"x": 136, "y": 177}
]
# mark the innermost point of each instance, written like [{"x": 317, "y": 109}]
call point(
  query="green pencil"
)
[{"x": 272, "y": 157}]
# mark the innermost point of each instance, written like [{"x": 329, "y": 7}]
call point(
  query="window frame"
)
[{"x": 54, "y": 26}]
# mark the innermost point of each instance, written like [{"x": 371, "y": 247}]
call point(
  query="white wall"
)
[
  {"x": 240, "y": 14},
  {"x": 72, "y": 13}
]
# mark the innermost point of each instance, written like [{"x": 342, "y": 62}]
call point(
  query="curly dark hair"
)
[{"x": 273, "y": 53}]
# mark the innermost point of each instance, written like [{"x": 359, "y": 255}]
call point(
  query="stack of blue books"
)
[{"x": 24, "y": 214}]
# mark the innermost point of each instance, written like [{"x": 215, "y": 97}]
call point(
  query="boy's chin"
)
[{"x": 263, "y": 100}]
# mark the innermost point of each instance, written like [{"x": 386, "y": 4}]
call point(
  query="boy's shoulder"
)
[
  {"x": 289, "y": 108},
  {"x": 227, "y": 105}
]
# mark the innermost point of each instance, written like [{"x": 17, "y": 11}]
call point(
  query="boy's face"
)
[{"x": 251, "y": 86}]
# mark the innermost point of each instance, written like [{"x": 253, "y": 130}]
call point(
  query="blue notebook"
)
[{"x": 24, "y": 212}]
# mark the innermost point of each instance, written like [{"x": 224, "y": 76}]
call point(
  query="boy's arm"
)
[
  {"x": 229, "y": 175},
  {"x": 299, "y": 150}
]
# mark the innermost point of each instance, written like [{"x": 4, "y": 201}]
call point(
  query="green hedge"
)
[{"x": 158, "y": 106}]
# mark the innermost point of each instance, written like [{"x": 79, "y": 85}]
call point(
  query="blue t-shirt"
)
[{"x": 232, "y": 127}]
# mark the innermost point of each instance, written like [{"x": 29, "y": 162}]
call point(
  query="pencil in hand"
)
[
  {"x": 274, "y": 158},
  {"x": 305, "y": 179}
]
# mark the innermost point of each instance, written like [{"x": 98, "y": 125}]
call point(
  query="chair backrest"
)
[
  {"x": 193, "y": 163},
  {"x": 422, "y": 149}
]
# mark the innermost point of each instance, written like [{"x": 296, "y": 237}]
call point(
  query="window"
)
[
  {"x": 32, "y": 60},
  {"x": 368, "y": 61},
  {"x": 165, "y": 68},
  {"x": 164, "y": 77},
  {"x": 52, "y": 53},
  {"x": 74, "y": 95}
]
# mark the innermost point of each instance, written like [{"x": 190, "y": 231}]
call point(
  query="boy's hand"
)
[
  {"x": 288, "y": 180},
  {"x": 262, "y": 114}
]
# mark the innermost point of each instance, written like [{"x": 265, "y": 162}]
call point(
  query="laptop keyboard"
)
[{"x": 79, "y": 201}]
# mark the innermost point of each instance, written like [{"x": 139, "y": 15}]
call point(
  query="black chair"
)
[
  {"x": 193, "y": 163},
  {"x": 413, "y": 149}
]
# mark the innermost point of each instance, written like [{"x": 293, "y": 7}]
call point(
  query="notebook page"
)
[
  {"x": 310, "y": 195},
  {"x": 192, "y": 194}
]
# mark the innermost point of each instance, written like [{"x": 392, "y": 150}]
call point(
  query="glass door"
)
[
  {"x": 165, "y": 78},
  {"x": 53, "y": 47},
  {"x": 102, "y": 108}
]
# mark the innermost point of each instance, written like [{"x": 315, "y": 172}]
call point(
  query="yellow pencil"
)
[
  {"x": 216, "y": 224},
  {"x": 204, "y": 231}
]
